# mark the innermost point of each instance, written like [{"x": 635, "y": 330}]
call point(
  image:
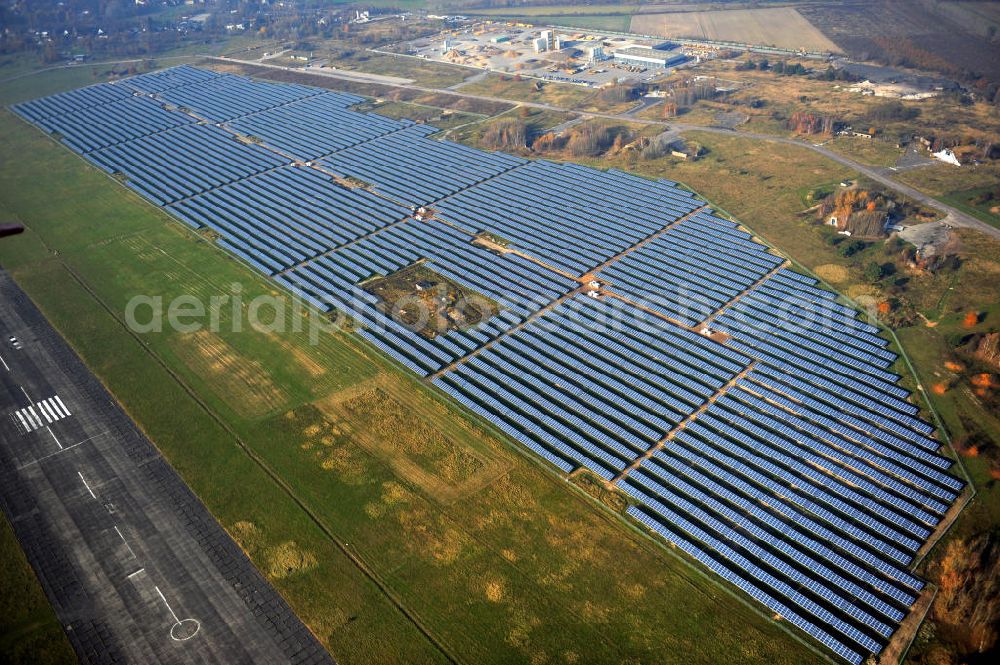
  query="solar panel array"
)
[{"x": 753, "y": 419}]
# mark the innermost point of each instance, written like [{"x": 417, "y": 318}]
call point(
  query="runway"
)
[{"x": 136, "y": 568}]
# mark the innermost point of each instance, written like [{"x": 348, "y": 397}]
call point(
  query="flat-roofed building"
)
[{"x": 650, "y": 58}]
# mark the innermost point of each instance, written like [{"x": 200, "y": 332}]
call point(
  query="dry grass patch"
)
[
  {"x": 243, "y": 384},
  {"x": 832, "y": 273},
  {"x": 413, "y": 437},
  {"x": 276, "y": 562}
]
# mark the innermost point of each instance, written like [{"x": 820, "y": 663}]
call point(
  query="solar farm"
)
[{"x": 753, "y": 420}]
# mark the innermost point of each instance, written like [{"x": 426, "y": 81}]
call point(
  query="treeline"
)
[
  {"x": 784, "y": 68},
  {"x": 779, "y": 67},
  {"x": 586, "y": 140},
  {"x": 803, "y": 122},
  {"x": 620, "y": 92},
  {"x": 506, "y": 134},
  {"x": 117, "y": 28},
  {"x": 901, "y": 52},
  {"x": 892, "y": 111},
  {"x": 684, "y": 95}
]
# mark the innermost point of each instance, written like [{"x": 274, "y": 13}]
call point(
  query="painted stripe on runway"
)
[
  {"x": 43, "y": 407},
  {"x": 33, "y": 415},
  {"x": 51, "y": 406},
  {"x": 41, "y": 414},
  {"x": 54, "y": 407},
  {"x": 62, "y": 406}
]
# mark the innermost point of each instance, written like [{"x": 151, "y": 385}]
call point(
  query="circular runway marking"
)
[{"x": 184, "y": 630}]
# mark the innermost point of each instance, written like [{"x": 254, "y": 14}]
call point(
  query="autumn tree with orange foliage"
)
[
  {"x": 968, "y": 599},
  {"x": 802, "y": 122}
]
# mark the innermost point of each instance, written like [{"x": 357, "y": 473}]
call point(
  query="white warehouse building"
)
[{"x": 648, "y": 57}]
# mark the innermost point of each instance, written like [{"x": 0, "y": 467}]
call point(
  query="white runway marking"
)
[
  {"x": 125, "y": 541},
  {"x": 49, "y": 411},
  {"x": 33, "y": 416},
  {"x": 59, "y": 452},
  {"x": 59, "y": 403},
  {"x": 54, "y": 437},
  {"x": 131, "y": 575},
  {"x": 5, "y": 366},
  {"x": 87, "y": 485},
  {"x": 183, "y": 629}
]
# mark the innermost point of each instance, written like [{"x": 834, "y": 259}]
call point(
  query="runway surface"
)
[{"x": 136, "y": 568}]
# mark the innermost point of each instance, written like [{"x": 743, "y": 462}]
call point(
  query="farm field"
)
[
  {"x": 611, "y": 22},
  {"x": 943, "y": 36},
  {"x": 580, "y": 568},
  {"x": 783, "y": 27},
  {"x": 483, "y": 235}
]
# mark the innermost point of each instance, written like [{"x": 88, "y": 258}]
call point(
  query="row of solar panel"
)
[
  {"x": 901, "y": 465},
  {"x": 421, "y": 170},
  {"x": 516, "y": 284},
  {"x": 786, "y": 522},
  {"x": 570, "y": 220},
  {"x": 228, "y": 97},
  {"x": 182, "y": 162},
  {"x": 559, "y": 368},
  {"x": 316, "y": 126},
  {"x": 752, "y": 589},
  {"x": 809, "y": 484},
  {"x": 289, "y": 215},
  {"x": 165, "y": 79}
]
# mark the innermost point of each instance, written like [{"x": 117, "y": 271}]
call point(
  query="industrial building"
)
[
  {"x": 648, "y": 57},
  {"x": 596, "y": 54}
]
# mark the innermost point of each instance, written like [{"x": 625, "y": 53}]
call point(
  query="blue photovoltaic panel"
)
[{"x": 753, "y": 418}]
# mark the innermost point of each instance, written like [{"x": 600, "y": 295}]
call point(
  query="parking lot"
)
[{"x": 509, "y": 49}]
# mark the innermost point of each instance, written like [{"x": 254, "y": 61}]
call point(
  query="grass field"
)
[
  {"x": 871, "y": 152},
  {"x": 423, "y": 72},
  {"x": 30, "y": 634},
  {"x": 610, "y": 22},
  {"x": 417, "y": 535},
  {"x": 783, "y": 27},
  {"x": 956, "y": 186},
  {"x": 527, "y": 90},
  {"x": 432, "y": 115}
]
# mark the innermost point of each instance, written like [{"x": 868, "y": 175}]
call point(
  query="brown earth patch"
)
[
  {"x": 243, "y": 384},
  {"x": 414, "y": 440}
]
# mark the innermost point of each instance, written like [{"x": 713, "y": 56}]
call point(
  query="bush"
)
[
  {"x": 873, "y": 272},
  {"x": 851, "y": 248},
  {"x": 892, "y": 110}
]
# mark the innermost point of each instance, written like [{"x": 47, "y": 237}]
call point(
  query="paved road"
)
[
  {"x": 955, "y": 216},
  {"x": 136, "y": 568},
  {"x": 880, "y": 175}
]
